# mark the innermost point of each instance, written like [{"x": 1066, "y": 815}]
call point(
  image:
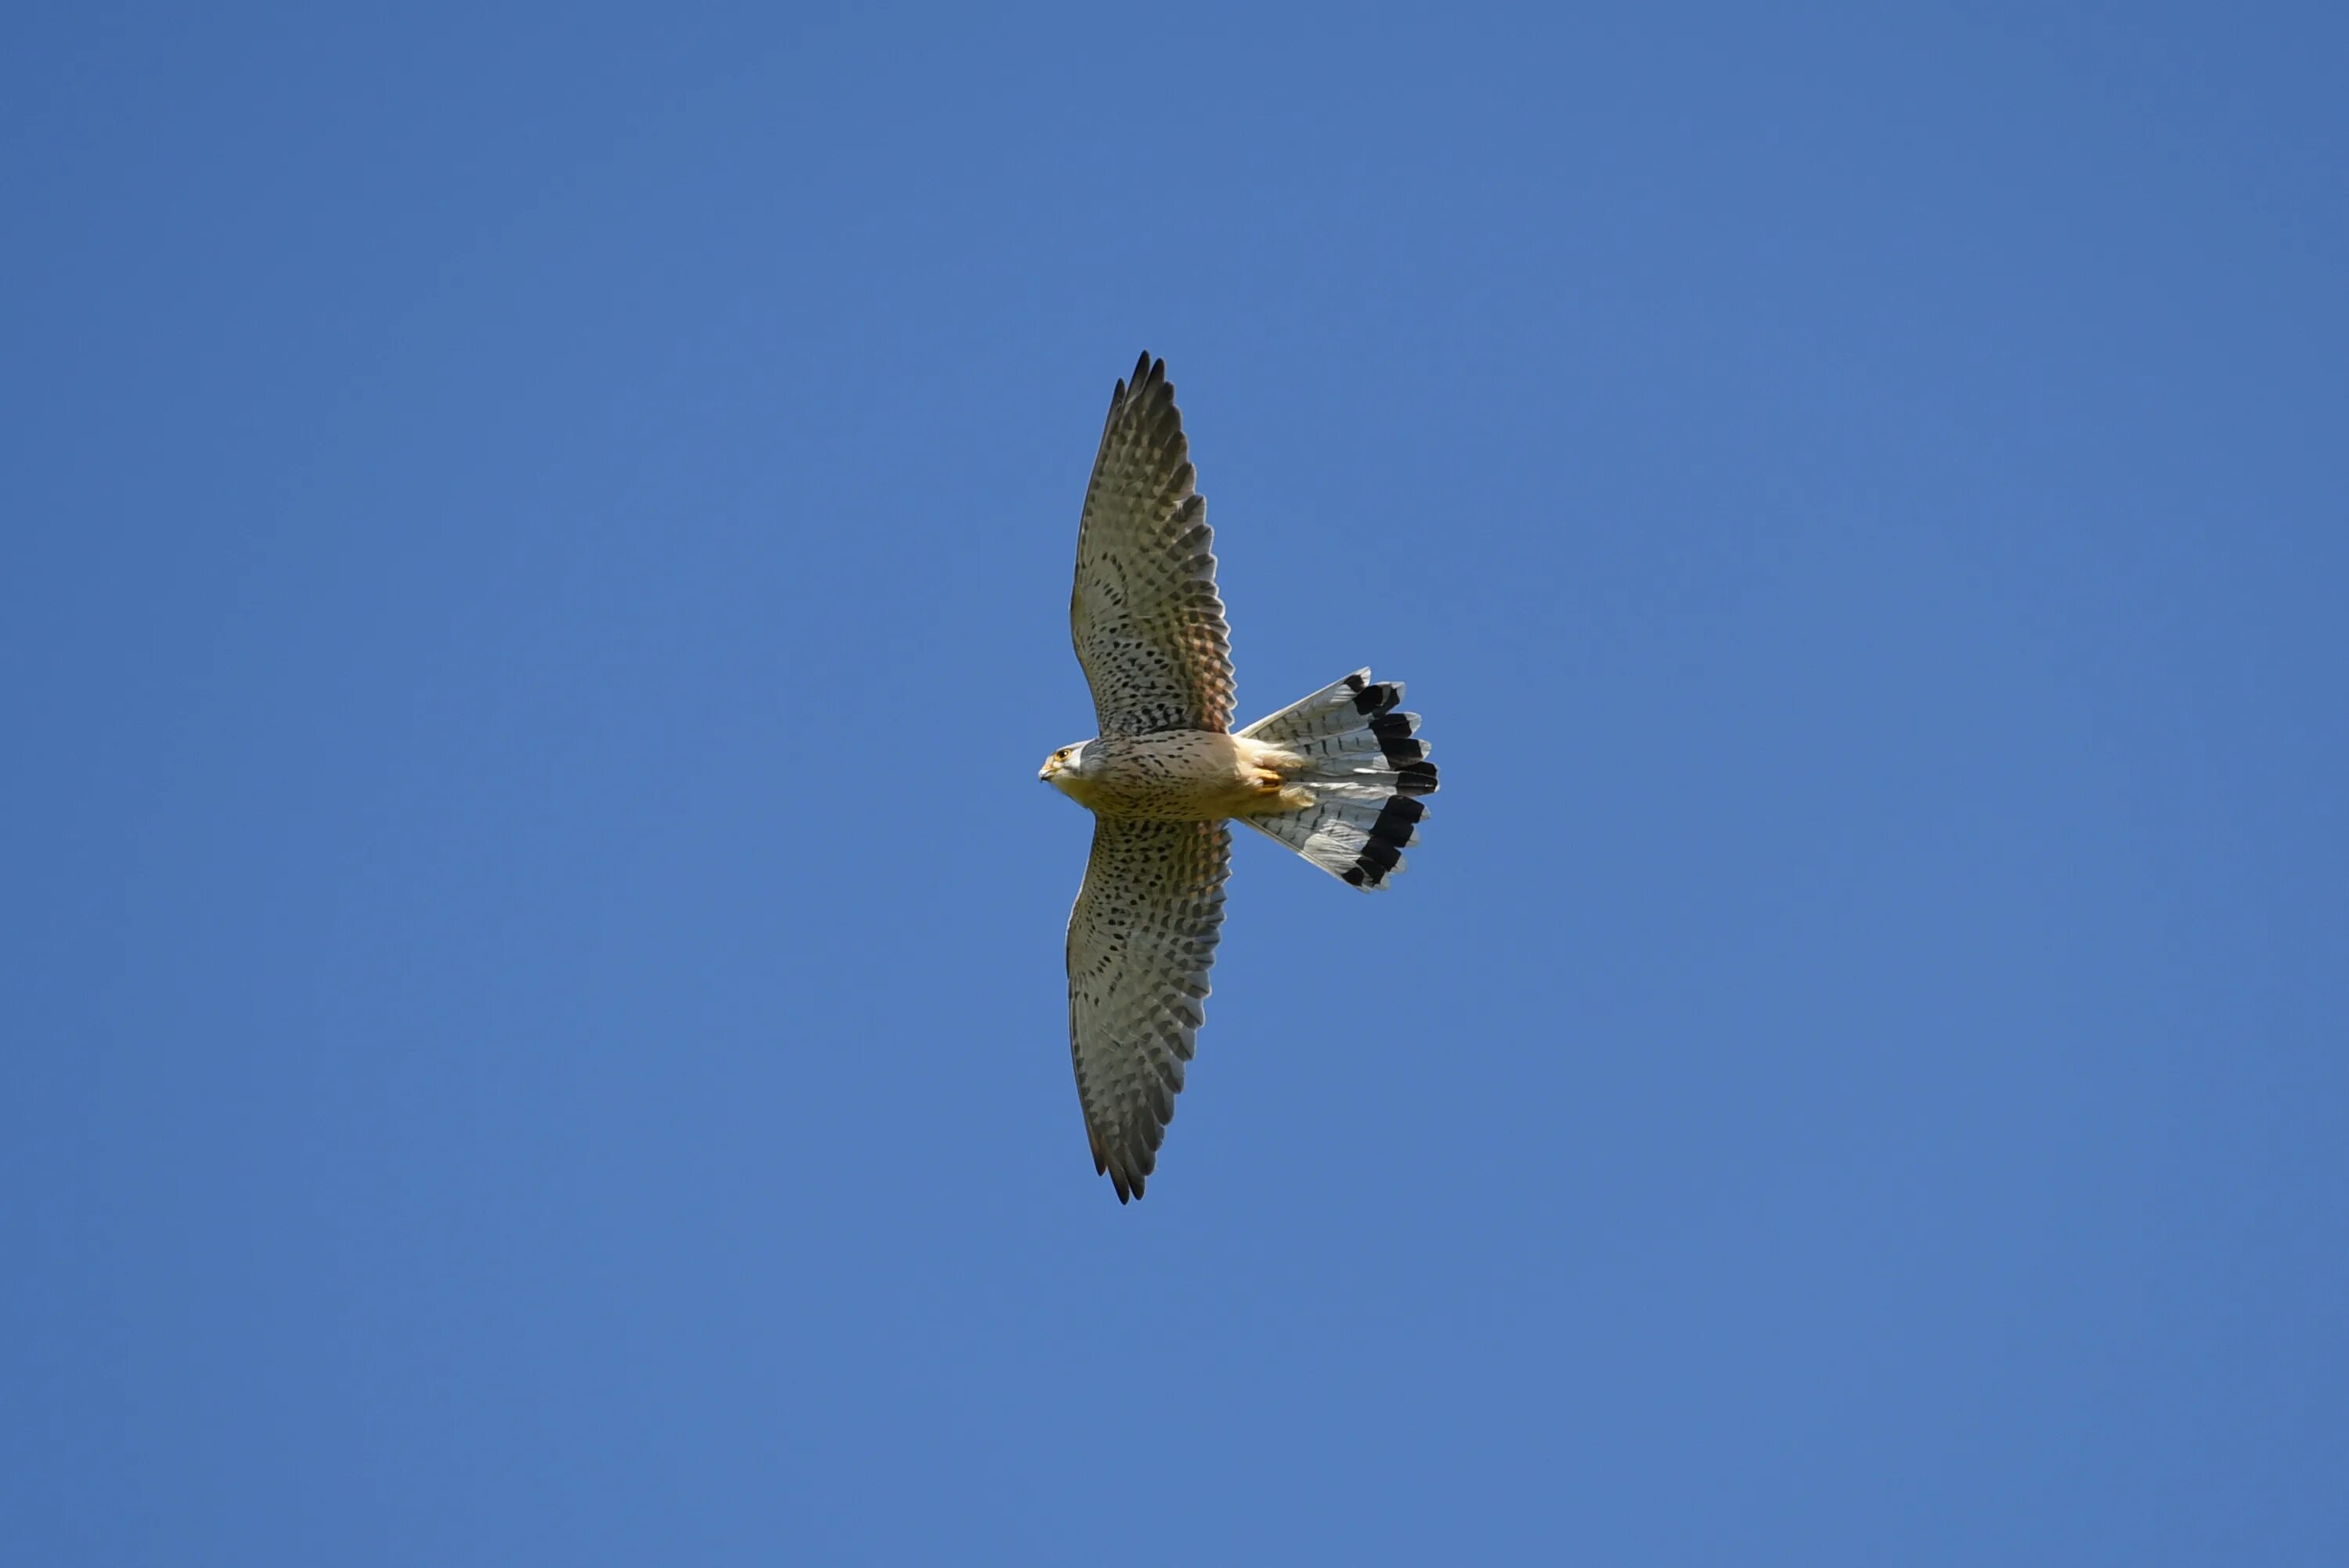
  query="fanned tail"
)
[{"x": 1365, "y": 767}]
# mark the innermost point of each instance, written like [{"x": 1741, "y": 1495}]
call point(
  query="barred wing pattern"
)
[
  {"x": 1148, "y": 624},
  {"x": 1141, "y": 941}
]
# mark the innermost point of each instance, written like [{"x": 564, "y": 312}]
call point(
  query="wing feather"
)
[
  {"x": 1147, "y": 620},
  {"x": 1141, "y": 941}
]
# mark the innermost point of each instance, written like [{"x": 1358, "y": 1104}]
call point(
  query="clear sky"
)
[{"x": 537, "y": 544}]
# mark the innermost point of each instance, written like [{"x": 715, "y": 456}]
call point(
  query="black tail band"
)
[{"x": 1387, "y": 838}]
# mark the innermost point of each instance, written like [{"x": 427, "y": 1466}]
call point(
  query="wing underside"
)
[
  {"x": 1141, "y": 941},
  {"x": 1144, "y": 614}
]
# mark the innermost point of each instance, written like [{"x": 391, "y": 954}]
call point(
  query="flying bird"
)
[{"x": 1338, "y": 777}]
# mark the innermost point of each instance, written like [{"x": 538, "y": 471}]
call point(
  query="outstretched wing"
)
[
  {"x": 1141, "y": 939},
  {"x": 1148, "y": 623}
]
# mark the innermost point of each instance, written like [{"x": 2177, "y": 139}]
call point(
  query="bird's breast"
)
[{"x": 1179, "y": 776}]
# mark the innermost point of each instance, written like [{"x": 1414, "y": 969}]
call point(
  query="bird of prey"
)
[{"x": 1336, "y": 776}]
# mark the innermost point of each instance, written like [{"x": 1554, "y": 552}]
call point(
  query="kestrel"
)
[{"x": 1336, "y": 778}]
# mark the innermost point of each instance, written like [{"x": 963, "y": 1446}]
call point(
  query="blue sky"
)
[{"x": 537, "y": 550}]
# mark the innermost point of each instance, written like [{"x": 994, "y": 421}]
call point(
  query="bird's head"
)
[{"x": 1064, "y": 766}]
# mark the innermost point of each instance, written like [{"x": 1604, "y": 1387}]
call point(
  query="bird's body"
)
[
  {"x": 1338, "y": 777},
  {"x": 1180, "y": 776}
]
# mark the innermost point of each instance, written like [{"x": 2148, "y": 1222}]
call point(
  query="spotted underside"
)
[
  {"x": 1336, "y": 777},
  {"x": 1150, "y": 632},
  {"x": 1147, "y": 620},
  {"x": 1141, "y": 939}
]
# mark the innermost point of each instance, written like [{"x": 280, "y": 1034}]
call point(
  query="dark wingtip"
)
[
  {"x": 1415, "y": 778},
  {"x": 1127, "y": 1189},
  {"x": 1135, "y": 383}
]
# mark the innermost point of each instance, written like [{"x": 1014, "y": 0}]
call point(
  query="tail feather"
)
[{"x": 1364, "y": 768}]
